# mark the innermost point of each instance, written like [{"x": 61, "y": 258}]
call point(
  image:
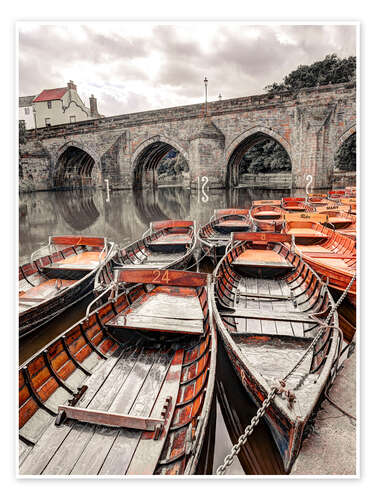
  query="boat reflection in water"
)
[{"x": 259, "y": 455}]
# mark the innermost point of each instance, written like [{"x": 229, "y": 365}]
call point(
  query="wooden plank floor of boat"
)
[
  {"x": 272, "y": 347},
  {"x": 165, "y": 309},
  {"x": 132, "y": 381},
  {"x": 271, "y": 288}
]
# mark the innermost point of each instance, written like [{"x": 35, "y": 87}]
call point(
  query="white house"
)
[
  {"x": 25, "y": 111},
  {"x": 62, "y": 105}
]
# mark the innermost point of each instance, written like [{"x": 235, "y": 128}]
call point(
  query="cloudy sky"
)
[{"x": 133, "y": 67}]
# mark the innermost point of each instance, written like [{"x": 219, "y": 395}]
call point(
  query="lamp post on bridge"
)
[{"x": 205, "y": 90}]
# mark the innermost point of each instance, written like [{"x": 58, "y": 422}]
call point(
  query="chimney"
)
[
  {"x": 71, "y": 85},
  {"x": 93, "y": 106}
]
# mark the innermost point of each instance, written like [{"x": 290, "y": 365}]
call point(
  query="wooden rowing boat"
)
[
  {"x": 336, "y": 194},
  {"x": 296, "y": 205},
  {"x": 317, "y": 199},
  {"x": 267, "y": 217},
  {"x": 349, "y": 202},
  {"x": 166, "y": 244},
  {"x": 51, "y": 283},
  {"x": 268, "y": 308},
  {"x": 338, "y": 219},
  {"x": 215, "y": 235},
  {"x": 329, "y": 253},
  {"x": 128, "y": 389}
]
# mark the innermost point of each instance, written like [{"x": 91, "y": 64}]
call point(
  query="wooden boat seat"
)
[
  {"x": 41, "y": 292},
  {"x": 165, "y": 241},
  {"x": 165, "y": 309},
  {"x": 85, "y": 261},
  {"x": 111, "y": 419},
  {"x": 297, "y": 317},
  {"x": 267, "y": 214},
  {"x": 261, "y": 258}
]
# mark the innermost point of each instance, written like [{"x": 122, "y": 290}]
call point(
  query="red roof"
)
[{"x": 50, "y": 94}]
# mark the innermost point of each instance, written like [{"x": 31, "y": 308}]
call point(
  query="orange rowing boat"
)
[
  {"x": 267, "y": 217},
  {"x": 329, "y": 253},
  {"x": 296, "y": 205}
]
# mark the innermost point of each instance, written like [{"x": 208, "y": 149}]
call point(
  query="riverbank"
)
[{"x": 331, "y": 448}]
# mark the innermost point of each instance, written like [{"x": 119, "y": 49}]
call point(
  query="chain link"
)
[{"x": 228, "y": 460}]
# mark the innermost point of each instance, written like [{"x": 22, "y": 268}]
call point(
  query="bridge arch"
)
[
  {"x": 345, "y": 136},
  {"x": 344, "y": 157},
  {"x": 148, "y": 156},
  {"x": 76, "y": 166},
  {"x": 242, "y": 143}
]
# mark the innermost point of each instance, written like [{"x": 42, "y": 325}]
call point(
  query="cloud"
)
[{"x": 132, "y": 67}]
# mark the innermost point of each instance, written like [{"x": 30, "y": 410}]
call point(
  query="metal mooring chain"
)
[{"x": 228, "y": 460}]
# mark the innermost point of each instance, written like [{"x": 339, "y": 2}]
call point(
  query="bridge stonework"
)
[{"x": 310, "y": 124}]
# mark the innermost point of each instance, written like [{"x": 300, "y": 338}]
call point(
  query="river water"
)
[{"x": 124, "y": 216}]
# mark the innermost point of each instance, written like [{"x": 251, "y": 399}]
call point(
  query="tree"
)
[
  {"x": 266, "y": 156},
  {"x": 345, "y": 158},
  {"x": 331, "y": 69}
]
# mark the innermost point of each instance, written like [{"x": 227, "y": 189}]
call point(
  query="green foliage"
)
[
  {"x": 331, "y": 69},
  {"x": 345, "y": 158},
  {"x": 266, "y": 156}
]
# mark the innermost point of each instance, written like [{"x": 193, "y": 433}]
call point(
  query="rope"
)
[
  {"x": 228, "y": 460},
  {"x": 339, "y": 408},
  {"x": 198, "y": 261}
]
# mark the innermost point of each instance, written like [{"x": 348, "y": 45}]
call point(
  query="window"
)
[
  {"x": 49, "y": 104},
  {"x": 72, "y": 119},
  {"x": 27, "y": 111},
  {"x": 48, "y": 122}
]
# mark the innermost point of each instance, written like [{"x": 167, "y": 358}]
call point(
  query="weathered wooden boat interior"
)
[
  {"x": 268, "y": 217},
  {"x": 267, "y": 212},
  {"x": 73, "y": 258},
  {"x": 227, "y": 220},
  {"x": 57, "y": 275},
  {"x": 93, "y": 402},
  {"x": 215, "y": 235},
  {"x": 166, "y": 243},
  {"x": 269, "y": 307}
]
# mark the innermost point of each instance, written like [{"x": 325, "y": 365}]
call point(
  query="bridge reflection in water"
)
[{"x": 125, "y": 215}]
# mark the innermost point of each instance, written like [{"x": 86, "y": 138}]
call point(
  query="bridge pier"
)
[{"x": 206, "y": 155}]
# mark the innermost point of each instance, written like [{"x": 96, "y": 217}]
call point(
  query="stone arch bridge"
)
[{"x": 310, "y": 124}]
